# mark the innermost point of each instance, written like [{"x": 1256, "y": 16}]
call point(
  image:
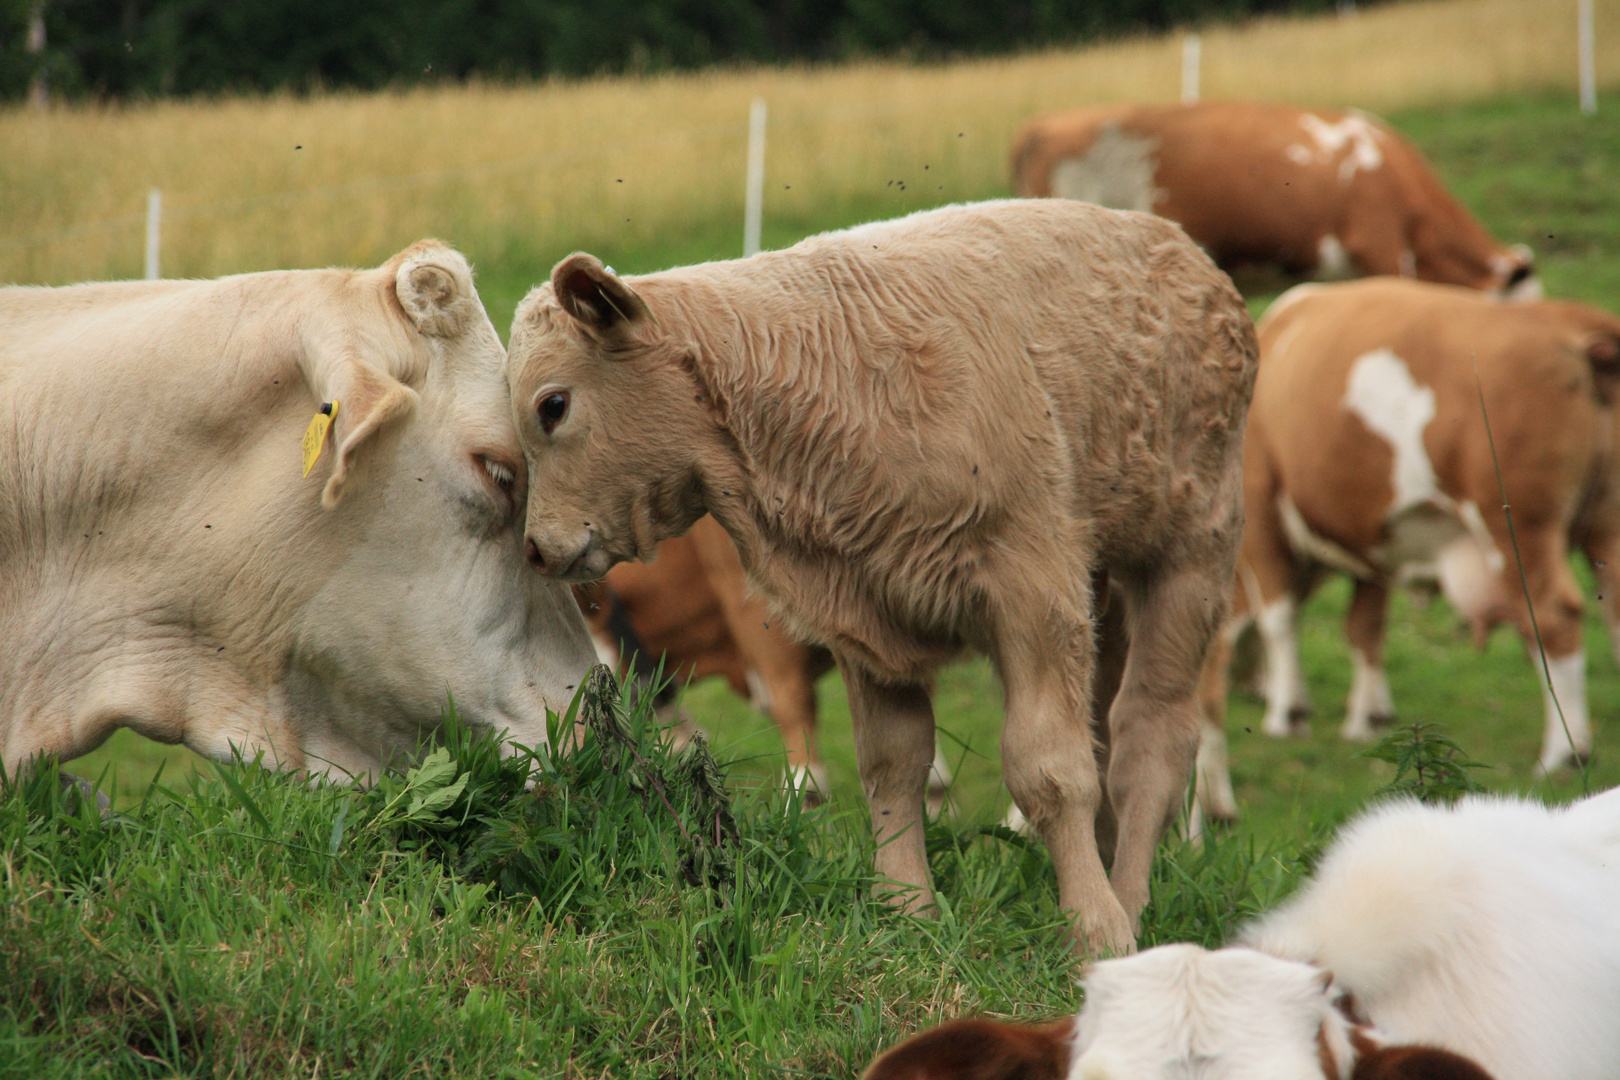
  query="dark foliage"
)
[{"x": 143, "y": 48}]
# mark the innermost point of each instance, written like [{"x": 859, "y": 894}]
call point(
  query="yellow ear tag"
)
[{"x": 315, "y": 435}]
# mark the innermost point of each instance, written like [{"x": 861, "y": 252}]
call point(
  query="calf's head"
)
[
  {"x": 612, "y": 419},
  {"x": 1180, "y": 1012}
]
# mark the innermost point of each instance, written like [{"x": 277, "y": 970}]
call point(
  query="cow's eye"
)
[{"x": 553, "y": 407}]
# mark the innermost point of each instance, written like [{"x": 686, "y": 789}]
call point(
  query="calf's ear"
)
[
  {"x": 1415, "y": 1063},
  {"x": 434, "y": 286},
  {"x": 595, "y": 297},
  {"x": 979, "y": 1050}
]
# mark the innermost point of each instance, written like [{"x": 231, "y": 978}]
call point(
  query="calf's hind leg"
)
[
  {"x": 1156, "y": 719},
  {"x": 1047, "y": 665},
  {"x": 894, "y": 749}
]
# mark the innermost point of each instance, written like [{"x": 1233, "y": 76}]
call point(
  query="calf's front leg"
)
[
  {"x": 894, "y": 749},
  {"x": 1048, "y": 763}
]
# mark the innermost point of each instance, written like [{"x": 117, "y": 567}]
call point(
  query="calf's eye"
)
[{"x": 553, "y": 407}]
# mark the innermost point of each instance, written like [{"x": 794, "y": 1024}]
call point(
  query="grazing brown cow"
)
[
  {"x": 1324, "y": 192},
  {"x": 1368, "y": 453},
  {"x": 923, "y": 435},
  {"x": 691, "y": 611}
]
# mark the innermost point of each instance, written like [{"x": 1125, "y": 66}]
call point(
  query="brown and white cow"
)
[
  {"x": 690, "y": 614},
  {"x": 1432, "y": 943},
  {"x": 165, "y": 564},
  {"x": 929, "y": 434},
  {"x": 1370, "y": 452},
  {"x": 1324, "y": 192},
  {"x": 690, "y": 610}
]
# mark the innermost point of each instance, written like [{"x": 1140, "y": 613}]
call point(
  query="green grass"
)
[
  {"x": 452, "y": 923},
  {"x": 196, "y": 939}
]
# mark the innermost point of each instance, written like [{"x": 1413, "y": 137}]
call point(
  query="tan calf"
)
[
  {"x": 923, "y": 435},
  {"x": 1368, "y": 454},
  {"x": 1324, "y": 192}
]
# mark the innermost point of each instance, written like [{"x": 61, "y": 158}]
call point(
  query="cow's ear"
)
[
  {"x": 595, "y": 297},
  {"x": 434, "y": 286},
  {"x": 979, "y": 1050},
  {"x": 367, "y": 401},
  {"x": 1415, "y": 1063}
]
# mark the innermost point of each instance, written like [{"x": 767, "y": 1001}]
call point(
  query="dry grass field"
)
[{"x": 526, "y": 173}]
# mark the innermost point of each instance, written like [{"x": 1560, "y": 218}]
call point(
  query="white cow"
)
[
  {"x": 1432, "y": 944},
  {"x": 166, "y": 566}
]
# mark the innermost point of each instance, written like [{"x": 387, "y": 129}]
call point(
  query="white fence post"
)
[
  {"x": 754, "y": 208},
  {"x": 1588, "y": 72},
  {"x": 154, "y": 218},
  {"x": 1192, "y": 55}
]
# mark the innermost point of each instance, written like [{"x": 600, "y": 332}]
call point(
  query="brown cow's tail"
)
[{"x": 1603, "y": 354}]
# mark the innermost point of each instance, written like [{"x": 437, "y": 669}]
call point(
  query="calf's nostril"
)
[{"x": 532, "y": 550}]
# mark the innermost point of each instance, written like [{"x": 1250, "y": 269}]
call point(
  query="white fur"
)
[
  {"x": 1568, "y": 731},
  {"x": 1382, "y": 392},
  {"x": 1369, "y": 698},
  {"x": 1491, "y": 929},
  {"x": 1181, "y": 1012},
  {"x": 1285, "y": 681}
]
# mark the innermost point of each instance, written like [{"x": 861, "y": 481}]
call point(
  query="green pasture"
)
[{"x": 258, "y": 927}]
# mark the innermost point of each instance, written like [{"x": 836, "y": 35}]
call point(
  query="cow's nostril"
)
[{"x": 536, "y": 560}]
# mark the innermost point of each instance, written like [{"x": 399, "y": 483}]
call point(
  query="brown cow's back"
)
[{"x": 1321, "y": 191}]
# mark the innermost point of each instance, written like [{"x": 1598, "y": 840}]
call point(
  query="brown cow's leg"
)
[
  {"x": 1369, "y": 702},
  {"x": 782, "y": 666},
  {"x": 894, "y": 746},
  {"x": 1155, "y": 719},
  {"x": 1557, "y": 601},
  {"x": 1602, "y": 548},
  {"x": 1213, "y": 798},
  {"x": 1048, "y": 762}
]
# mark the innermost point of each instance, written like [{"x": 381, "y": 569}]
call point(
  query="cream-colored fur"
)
[
  {"x": 928, "y": 434},
  {"x": 1491, "y": 928},
  {"x": 164, "y": 566}
]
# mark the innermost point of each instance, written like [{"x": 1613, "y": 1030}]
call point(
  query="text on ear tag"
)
[{"x": 315, "y": 434}]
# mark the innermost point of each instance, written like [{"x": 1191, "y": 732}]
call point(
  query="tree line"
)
[{"x": 123, "y": 49}]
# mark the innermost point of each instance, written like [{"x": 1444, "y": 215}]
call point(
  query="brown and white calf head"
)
[
  {"x": 1181, "y": 1012},
  {"x": 612, "y": 422}
]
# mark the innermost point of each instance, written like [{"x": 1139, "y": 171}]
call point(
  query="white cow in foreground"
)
[
  {"x": 1477, "y": 942},
  {"x": 166, "y": 566}
]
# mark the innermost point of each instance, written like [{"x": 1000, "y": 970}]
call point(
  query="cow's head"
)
[
  {"x": 612, "y": 422},
  {"x": 423, "y": 501},
  {"x": 1181, "y": 1012},
  {"x": 1513, "y": 274}
]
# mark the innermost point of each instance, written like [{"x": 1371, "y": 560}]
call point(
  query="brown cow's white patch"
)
[
  {"x": 1355, "y": 136},
  {"x": 1117, "y": 172}
]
